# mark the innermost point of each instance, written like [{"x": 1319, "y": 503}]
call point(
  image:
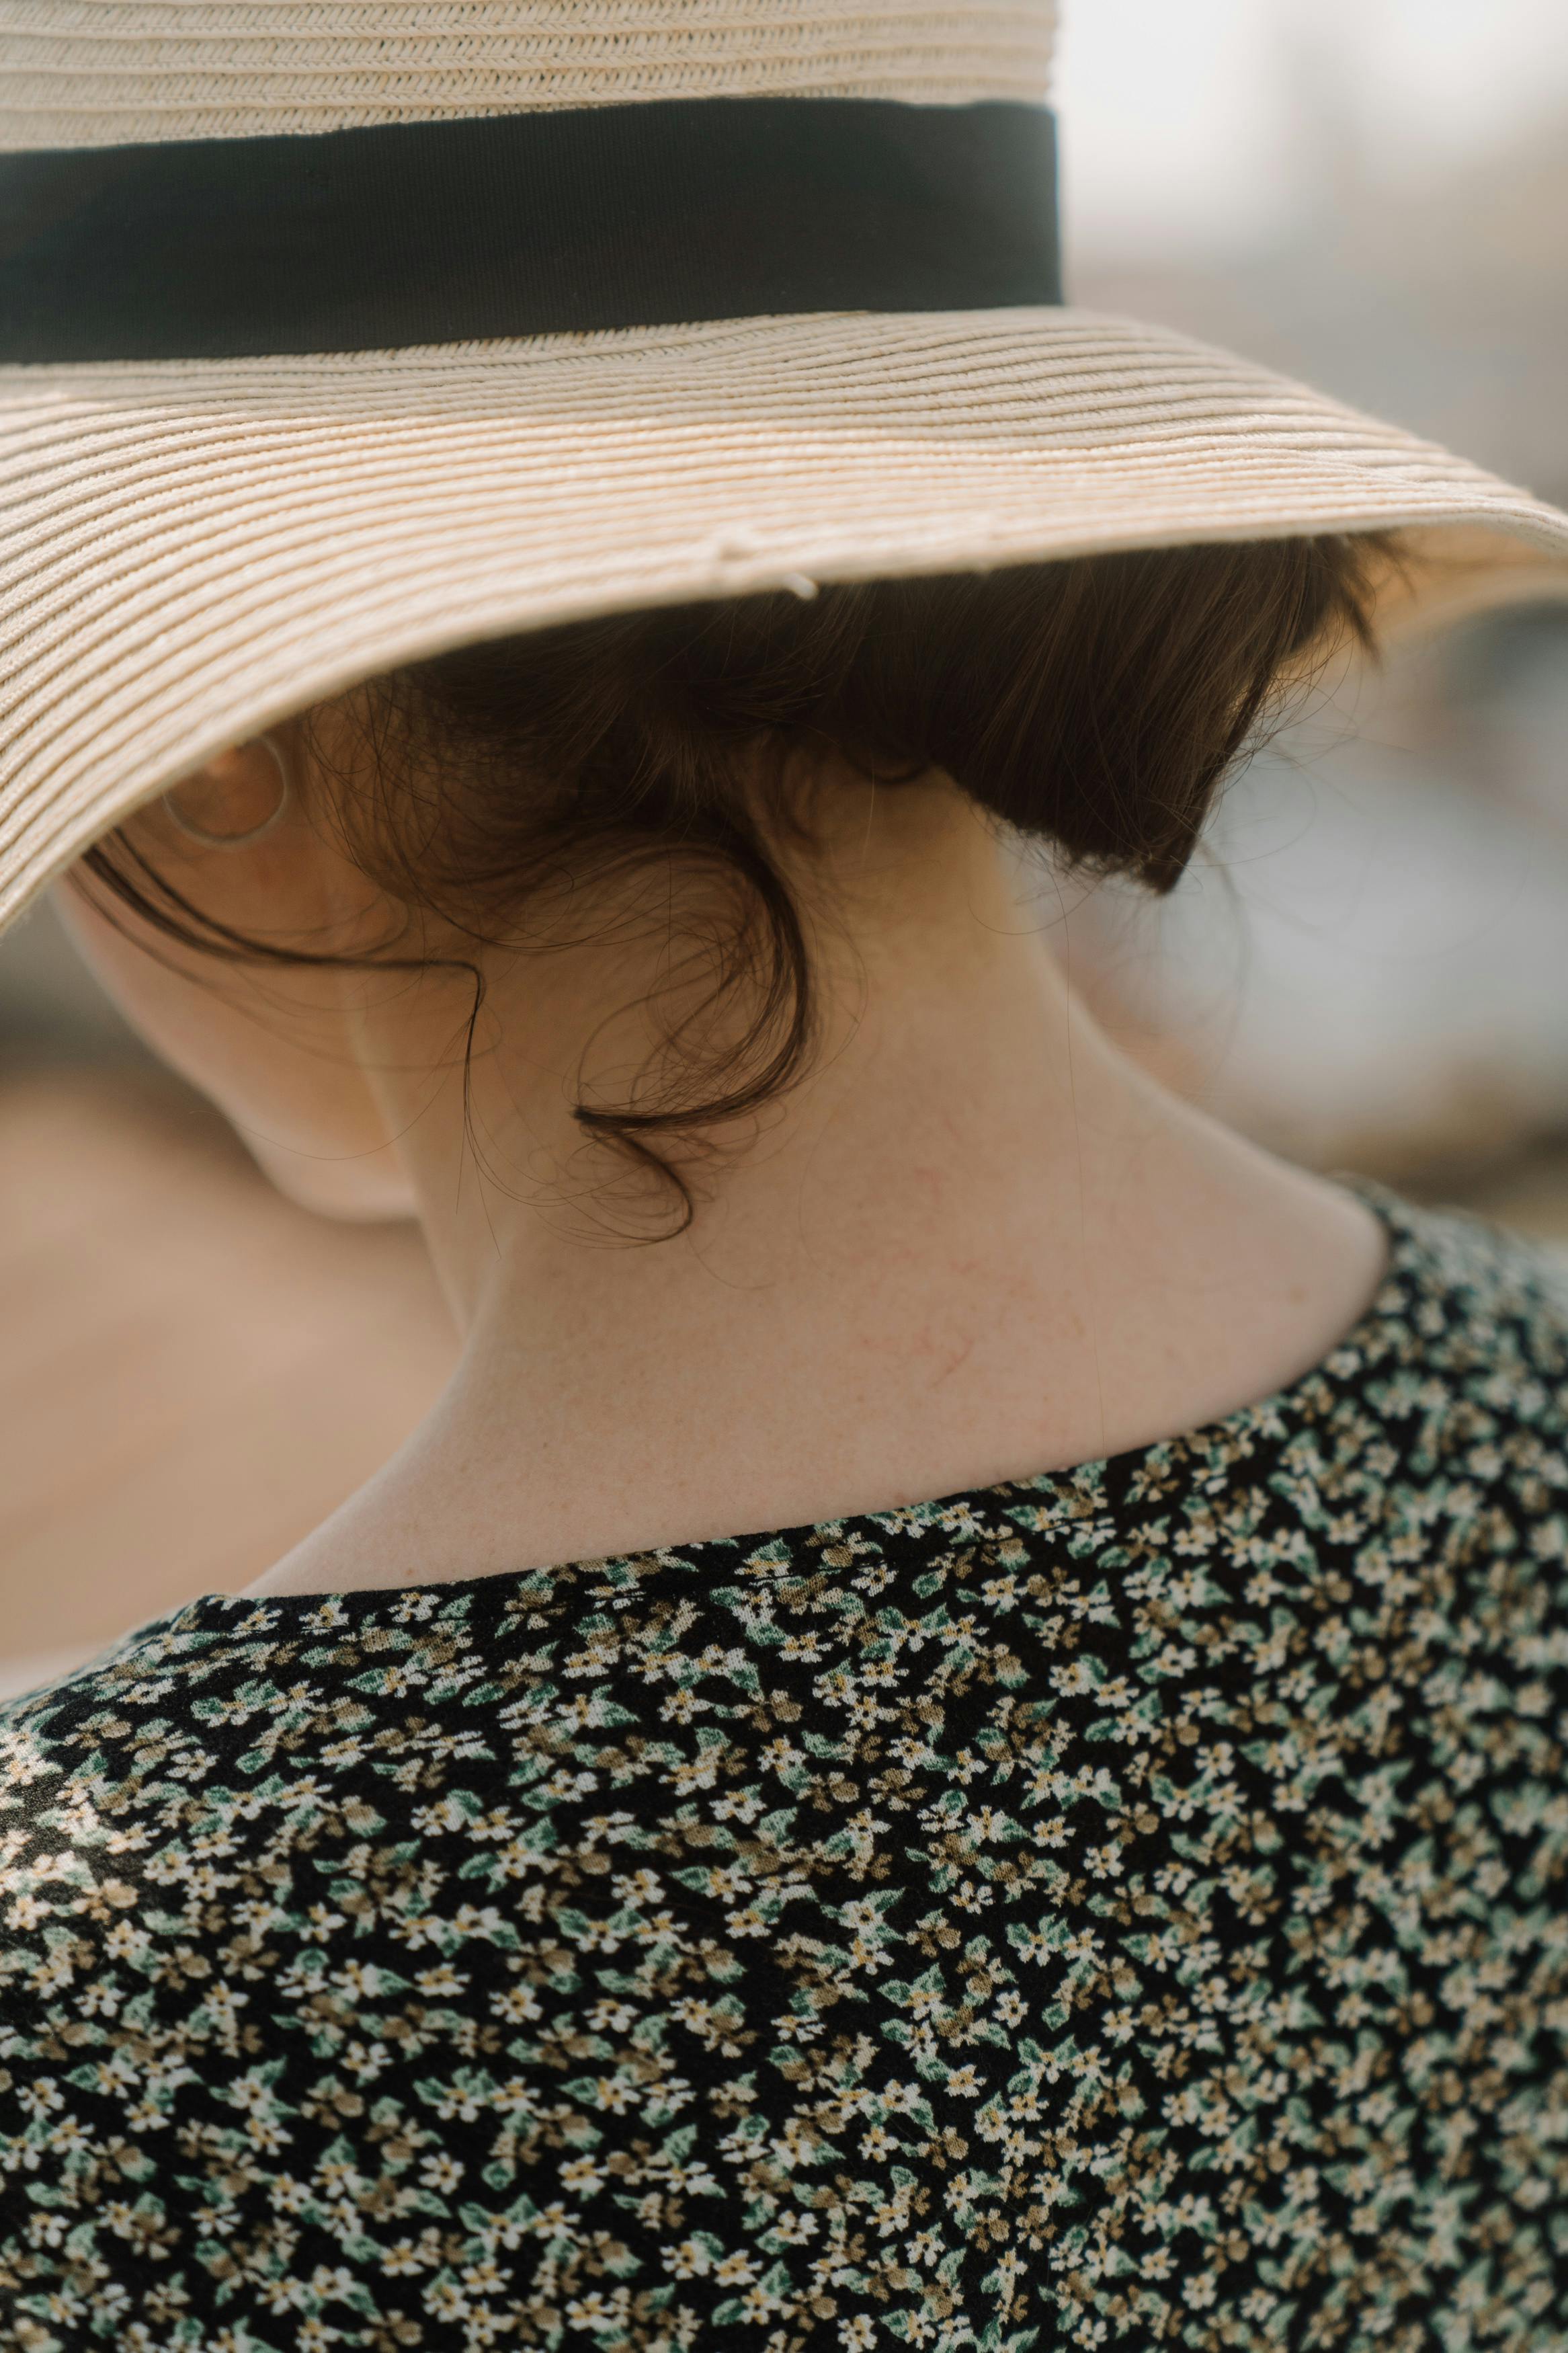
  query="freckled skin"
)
[{"x": 974, "y": 1240}]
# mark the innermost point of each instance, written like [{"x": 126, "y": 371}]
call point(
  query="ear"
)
[
  {"x": 251, "y": 841},
  {"x": 235, "y": 839},
  {"x": 237, "y": 798}
]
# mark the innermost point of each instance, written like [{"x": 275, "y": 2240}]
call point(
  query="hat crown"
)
[{"x": 97, "y": 73}]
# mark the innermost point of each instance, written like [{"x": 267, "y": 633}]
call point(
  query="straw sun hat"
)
[{"x": 336, "y": 332}]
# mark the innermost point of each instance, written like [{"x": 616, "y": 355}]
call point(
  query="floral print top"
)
[{"x": 1123, "y": 1907}]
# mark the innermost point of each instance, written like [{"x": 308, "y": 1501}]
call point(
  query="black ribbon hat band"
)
[{"x": 630, "y": 216}]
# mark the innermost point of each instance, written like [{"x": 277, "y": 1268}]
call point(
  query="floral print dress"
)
[{"x": 1123, "y": 1907}]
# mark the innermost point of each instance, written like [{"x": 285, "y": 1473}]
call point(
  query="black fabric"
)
[{"x": 524, "y": 223}]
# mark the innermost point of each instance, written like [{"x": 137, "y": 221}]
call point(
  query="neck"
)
[{"x": 973, "y": 1244}]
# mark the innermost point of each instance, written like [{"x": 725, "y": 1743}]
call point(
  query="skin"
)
[{"x": 976, "y": 1242}]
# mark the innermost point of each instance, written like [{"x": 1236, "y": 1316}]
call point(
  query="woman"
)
[{"x": 644, "y": 1874}]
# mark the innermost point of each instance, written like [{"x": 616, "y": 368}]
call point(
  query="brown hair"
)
[{"x": 1095, "y": 703}]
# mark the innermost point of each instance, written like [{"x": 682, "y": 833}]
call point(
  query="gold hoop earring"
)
[{"x": 194, "y": 832}]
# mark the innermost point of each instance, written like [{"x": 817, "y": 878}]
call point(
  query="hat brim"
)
[{"x": 194, "y": 550}]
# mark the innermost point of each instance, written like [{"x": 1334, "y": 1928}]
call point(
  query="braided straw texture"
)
[
  {"x": 196, "y": 550},
  {"x": 94, "y": 73}
]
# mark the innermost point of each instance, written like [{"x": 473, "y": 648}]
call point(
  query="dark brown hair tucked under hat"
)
[{"x": 1095, "y": 705}]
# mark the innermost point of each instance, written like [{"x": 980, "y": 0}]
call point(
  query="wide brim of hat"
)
[{"x": 194, "y": 550}]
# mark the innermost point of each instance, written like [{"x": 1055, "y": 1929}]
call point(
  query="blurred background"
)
[{"x": 1366, "y": 968}]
